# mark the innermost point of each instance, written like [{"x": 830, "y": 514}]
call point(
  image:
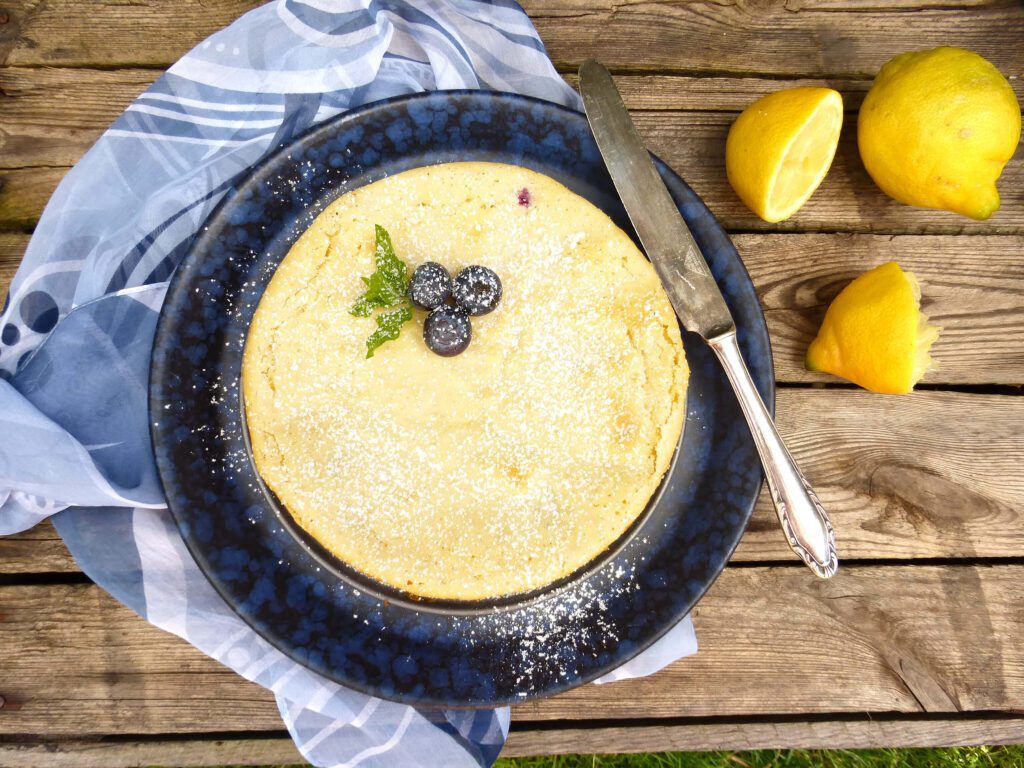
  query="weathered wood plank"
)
[
  {"x": 932, "y": 474},
  {"x": 24, "y": 193},
  {"x": 924, "y": 475},
  {"x": 99, "y": 657},
  {"x": 890, "y": 638},
  {"x": 773, "y": 640},
  {"x": 791, "y": 38},
  {"x": 110, "y": 33},
  {"x": 37, "y": 550},
  {"x": 693, "y": 143},
  {"x": 12, "y": 248},
  {"x": 193, "y": 753},
  {"x": 708, "y": 737},
  {"x": 972, "y": 286},
  {"x": 799, "y": 39},
  {"x": 52, "y": 116},
  {"x": 525, "y": 741},
  {"x": 718, "y": 93}
]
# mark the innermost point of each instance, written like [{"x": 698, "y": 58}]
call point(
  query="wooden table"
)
[{"x": 916, "y": 642}]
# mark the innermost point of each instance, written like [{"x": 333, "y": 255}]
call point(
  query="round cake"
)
[{"x": 503, "y": 468}]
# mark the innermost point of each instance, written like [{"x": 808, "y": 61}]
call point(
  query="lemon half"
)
[
  {"x": 874, "y": 333},
  {"x": 780, "y": 148}
]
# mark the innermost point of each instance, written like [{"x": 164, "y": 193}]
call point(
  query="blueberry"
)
[
  {"x": 447, "y": 330},
  {"x": 477, "y": 290},
  {"x": 431, "y": 285}
]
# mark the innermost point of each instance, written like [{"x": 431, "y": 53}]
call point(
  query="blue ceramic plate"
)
[{"x": 334, "y": 620}]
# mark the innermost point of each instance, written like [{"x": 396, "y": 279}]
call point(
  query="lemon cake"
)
[{"x": 501, "y": 469}]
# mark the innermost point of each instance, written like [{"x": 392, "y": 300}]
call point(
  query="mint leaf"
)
[
  {"x": 389, "y": 326},
  {"x": 392, "y": 267},
  {"x": 386, "y": 288},
  {"x": 388, "y": 285},
  {"x": 379, "y": 295},
  {"x": 362, "y": 308}
]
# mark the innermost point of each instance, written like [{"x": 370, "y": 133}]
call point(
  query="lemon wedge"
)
[
  {"x": 780, "y": 148},
  {"x": 874, "y": 333}
]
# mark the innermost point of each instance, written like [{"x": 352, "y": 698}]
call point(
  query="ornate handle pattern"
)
[{"x": 804, "y": 521}]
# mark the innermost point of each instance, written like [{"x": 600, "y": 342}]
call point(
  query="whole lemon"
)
[{"x": 937, "y": 128}]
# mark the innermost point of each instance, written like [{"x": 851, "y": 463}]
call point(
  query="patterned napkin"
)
[{"x": 77, "y": 329}]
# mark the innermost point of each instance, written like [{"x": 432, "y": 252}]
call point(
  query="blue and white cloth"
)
[{"x": 77, "y": 329}]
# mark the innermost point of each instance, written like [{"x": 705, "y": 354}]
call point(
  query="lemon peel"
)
[
  {"x": 874, "y": 333},
  {"x": 937, "y": 128}
]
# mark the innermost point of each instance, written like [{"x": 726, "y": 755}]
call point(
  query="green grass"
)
[{"x": 953, "y": 757}]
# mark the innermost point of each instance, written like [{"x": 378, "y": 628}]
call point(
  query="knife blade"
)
[
  {"x": 701, "y": 308},
  {"x": 662, "y": 231}
]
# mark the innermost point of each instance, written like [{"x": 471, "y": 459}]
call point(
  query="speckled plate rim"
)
[{"x": 429, "y": 661}]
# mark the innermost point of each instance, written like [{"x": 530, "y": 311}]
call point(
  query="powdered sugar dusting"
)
[{"x": 502, "y": 469}]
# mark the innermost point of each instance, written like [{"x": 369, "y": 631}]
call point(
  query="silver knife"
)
[{"x": 699, "y": 304}]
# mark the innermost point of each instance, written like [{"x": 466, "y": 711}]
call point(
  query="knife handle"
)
[{"x": 804, "y": 521}]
